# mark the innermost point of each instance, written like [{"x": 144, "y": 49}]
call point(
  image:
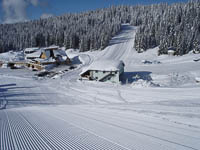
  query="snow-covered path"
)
[
  {"x": 121, "y": 46},
  {"x": 159, "y": 108},
  {"x": 91, "y": 127},
  {"x": 29, "y": 130}
]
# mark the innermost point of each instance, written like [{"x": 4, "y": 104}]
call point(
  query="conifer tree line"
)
[
  {"x": 85, "y": 31},
  {"x": 174, "y": 26}
]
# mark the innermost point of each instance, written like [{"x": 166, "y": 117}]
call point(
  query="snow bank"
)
[{"x": 143, "y": 83}]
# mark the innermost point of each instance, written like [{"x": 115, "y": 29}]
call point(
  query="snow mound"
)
[
  {"x": 144, "y": 83},
  {"x": 174, "y": 79}
]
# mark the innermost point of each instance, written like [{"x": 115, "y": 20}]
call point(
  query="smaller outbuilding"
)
[
  {"x": 104, "y": 71},
  {"x": 171, "y": 51},
  {"x": 197, "y": 79}
]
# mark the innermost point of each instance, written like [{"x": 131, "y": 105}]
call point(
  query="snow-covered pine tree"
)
[{"x": 176, "y": 25}]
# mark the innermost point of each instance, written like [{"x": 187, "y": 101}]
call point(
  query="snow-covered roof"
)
[
  {"x": 35, "y": 54},
  {"x": 171, "y": 50},
  {"x": 104, "y": 65},
  {"x": 38, "y": 53},
  {"x": 59, "y": 52},
  {"x": 52, "y": 47},
  {"x": 31, "y": 49},
  {"x": 11, "y": 56},
  {"x": 197, "y": 79}
]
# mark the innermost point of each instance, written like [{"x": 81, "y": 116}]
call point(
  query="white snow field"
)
[{"x": 157, "y": 106}]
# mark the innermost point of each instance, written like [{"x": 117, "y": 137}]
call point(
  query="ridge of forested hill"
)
[{"x": 174, "y": 26}]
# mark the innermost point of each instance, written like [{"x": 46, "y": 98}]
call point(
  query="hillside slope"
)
[
  {"x": 174, "y": 26},
  {"x": 158, "y": 107}
]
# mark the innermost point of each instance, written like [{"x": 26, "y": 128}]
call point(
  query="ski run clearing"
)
[{"x": 157, "y": 106}]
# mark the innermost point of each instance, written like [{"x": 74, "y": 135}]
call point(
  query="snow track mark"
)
[
  {"x": 7, "y": 140},
  {"x": 99, "y": 141},
  {"x": 31, "y": 130},
  {"x": 143, "y": 133},
  {"x": 25, "y": 137}
]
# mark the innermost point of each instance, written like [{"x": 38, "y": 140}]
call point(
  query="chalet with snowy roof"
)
[
  {"x": 46, "y": 55},
  {"x": 104, "y": 71},
  {"x": 38, "y": 58},
  {"x": 43, "y": 53}
]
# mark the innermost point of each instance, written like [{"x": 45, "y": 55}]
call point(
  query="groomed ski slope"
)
[{"x": 156, "y": 108}]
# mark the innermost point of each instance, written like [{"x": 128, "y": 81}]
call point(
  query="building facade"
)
[{"x": 104, "y": 71}]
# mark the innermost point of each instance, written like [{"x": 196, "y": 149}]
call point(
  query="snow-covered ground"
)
[{"x": 157, "y": 106}]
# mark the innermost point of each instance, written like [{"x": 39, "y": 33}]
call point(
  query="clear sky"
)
[{"x": 33, "y": 9}]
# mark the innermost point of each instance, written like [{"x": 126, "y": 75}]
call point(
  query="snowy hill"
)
[
  {"x": 157, "y": 106},
  {"x": 169, "y": 26}
]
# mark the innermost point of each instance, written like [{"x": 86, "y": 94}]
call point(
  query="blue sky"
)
[{"x": 58, "y": 7}]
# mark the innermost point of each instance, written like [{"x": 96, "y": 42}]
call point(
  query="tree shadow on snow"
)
[
  {"x": 130, "y": 77},
  {"x": 13, "y": 96},
  {"x": 7, "y": 85}
]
